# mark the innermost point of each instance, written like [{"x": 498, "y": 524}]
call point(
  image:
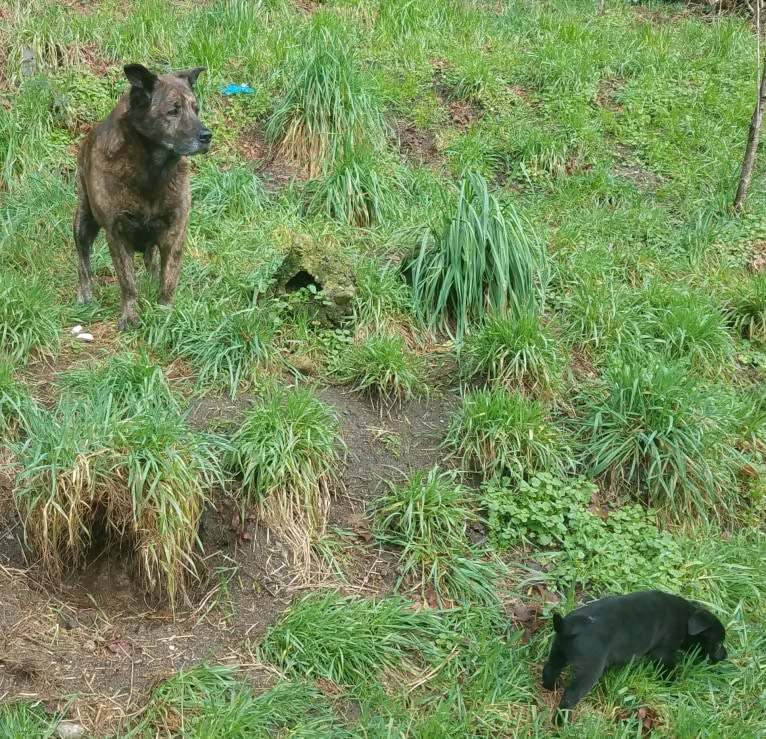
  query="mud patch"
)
[
  {"x": 270, "y": 164},
  {"x": 418, "y": 145},
  {"x": 756, "y": 263},
  {"x": 606, "y": 95},
  {"x": 629, "y": 168}
]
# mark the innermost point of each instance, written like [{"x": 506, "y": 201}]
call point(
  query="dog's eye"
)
[{"x": 174, "y": 111}]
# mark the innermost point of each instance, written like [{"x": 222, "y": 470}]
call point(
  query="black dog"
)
[{"x": 613, "y": 630}]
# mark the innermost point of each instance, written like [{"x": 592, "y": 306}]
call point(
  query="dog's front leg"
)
[
  {"x": 122, "y": 257},
  {"x": 171, "y": 253},
  {"x": 586, "y": 673},
  {"x": 151, "y": 262}
]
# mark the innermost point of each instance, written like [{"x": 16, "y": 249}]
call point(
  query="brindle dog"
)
[{"x": 132, "y": 181}]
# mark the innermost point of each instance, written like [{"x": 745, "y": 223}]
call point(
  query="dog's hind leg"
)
[
  {"x": 85, "y": 230},
  {"x": 151, "y": 262},
  {"x": 122, "y": 257},
  {"x": 586, "y": 671}
]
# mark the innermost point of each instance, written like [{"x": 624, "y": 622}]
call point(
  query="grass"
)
[
  {"x": 484, "y": 258},
  {"x": 496, "y": 431},
  {"x": 427, "y": 518},
  {"x": 354, "y": 190},
  {"x": 384, "y": 369},
  {"x": 746, "y": 309},
  {"x": 515, "y": 353},
  {"x": 94, "y": 475},
  {"x": 656, "y": 432},
  {"x": 612, "y": 138},
  {"x": 350, "y": 640},
  {"x": 286, "y": 452},
  {"x": 326, "y": 109},
  {"x": 28, "y": 320}
]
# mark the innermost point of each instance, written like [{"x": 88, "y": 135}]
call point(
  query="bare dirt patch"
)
[
  {"x": 276, "y": 169},
  {"x": 630, "y": 168},
  {"x": 606, "y": 95},
  {"x": 756, "y": 263},
  {"x": 417, "y": 144},
  {"x": 97, "y": 636}
]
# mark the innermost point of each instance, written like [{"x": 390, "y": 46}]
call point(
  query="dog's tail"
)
[{"x": 558, "y": 623}]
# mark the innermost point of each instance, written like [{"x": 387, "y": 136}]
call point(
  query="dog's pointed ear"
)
[
  {"x": 191, "y": 75},
  {"x": 700, "y": 621},
  {"x": 140, "y": 77},
  {"x": 558, "y": 623}
]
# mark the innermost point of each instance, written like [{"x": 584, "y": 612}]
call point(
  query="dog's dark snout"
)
[{"x": 205, "y": 136}]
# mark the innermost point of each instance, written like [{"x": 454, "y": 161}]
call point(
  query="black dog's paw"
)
[{"x": 549, "y": 683}]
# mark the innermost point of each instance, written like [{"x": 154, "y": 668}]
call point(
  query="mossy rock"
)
[{"x": 323, "y": 264}]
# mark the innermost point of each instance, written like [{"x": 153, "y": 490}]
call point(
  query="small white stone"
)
[
  {"x": 76, "y": 329},
  {"x": 68, "y": 730},
  {"x": 85, "y": 336}
]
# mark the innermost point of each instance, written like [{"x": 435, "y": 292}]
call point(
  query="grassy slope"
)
[{"x": 620, "y": 136}]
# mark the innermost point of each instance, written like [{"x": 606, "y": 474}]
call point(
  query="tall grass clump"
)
[
  {"x": 226, "y": 344},
  {"x": 29, "y": 318},
  {"x": 326, "y": 109},
  {"x": 427, "y": 517},
  {"x": 746, "y": 309},
  {"x": 286, "y": 452},
  {"x": 349, "y": 640},
  {"x": 138, "y": 479},
  {"x": 130, "y": 381},
  {"x": 516, "y": 353},
  {"x": 680, "y": 324},
  {"x": 484, "y": 260},
  {"x": 654, "y": 431},
  {"x": 352, "y": 191},
  {"x": 384, "y": 369},
  {"x": 497, "y": 431},
  {"x": 16, "y": 403}
]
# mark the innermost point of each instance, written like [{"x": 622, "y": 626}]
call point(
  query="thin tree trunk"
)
[{"x": 754, "y": 134}]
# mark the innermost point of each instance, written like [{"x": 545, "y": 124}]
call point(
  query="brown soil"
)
[
  {"x": 417, "y": 144},
  {"x": 607, "y": 93},
  {"x": 275, "y": 169},
  {"x": 756, "y": 264},
  {"x": 628, "y": 167},
  {"x": 97, "y": 635}
]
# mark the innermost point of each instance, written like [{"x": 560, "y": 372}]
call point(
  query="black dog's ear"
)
[
  {"x": 191, "y": 75},
  {"x": 558, "y": 623},
  {"x": 140, "y": 77},
  {"x": 700, "y": 620}
]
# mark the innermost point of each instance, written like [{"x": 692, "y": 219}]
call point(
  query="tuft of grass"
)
[
  {"x": 16, "y": 403},
  {"x": 29, "y": 318},
  {"x": 226, "y": 344},
  {"x": 484, "y": 260},
  {"x": 326, "y": 110},
  {"x": 130, "y": 381},
  {"x": 138, "y": 476},
  {"x": 496, "y": 431},
  {"x": 384, "y": 369},
  {"x": 516, "y": 353},
  {"x": 655, "y": 432},
  {"x": 286, "y": 452},
  {"x": 216, "y": 700},
  {"x": 746, "y": 309},
  {"x": 680, "y": 324},
  {"x": 427, "y": 517},
  {"x": 21, "y": 720},
  {"x": 350, "y": 640},
  {"x": 351, "y": 191}
]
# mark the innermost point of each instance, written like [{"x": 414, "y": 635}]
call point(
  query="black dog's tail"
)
[{"x": 558, "y": 623}]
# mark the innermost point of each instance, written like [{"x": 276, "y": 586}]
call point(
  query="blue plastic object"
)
[{"x": 232, "y": 89}]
